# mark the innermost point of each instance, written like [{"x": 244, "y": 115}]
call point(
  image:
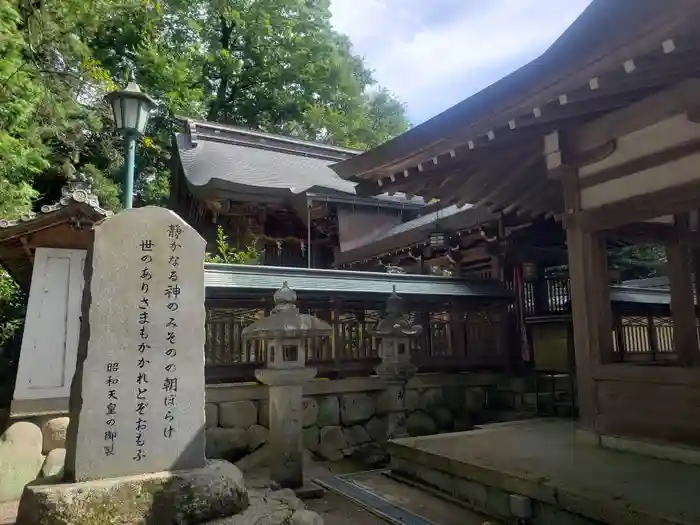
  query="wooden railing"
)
[
  {"x": 640, "y": 333},
  {"x": 643, "y": 338},
  {"x": 546, "y": 297},
  {"x": 451, "y": 340}
]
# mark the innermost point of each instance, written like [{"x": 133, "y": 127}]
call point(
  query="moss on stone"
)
[{"x": 186, "y": 497}]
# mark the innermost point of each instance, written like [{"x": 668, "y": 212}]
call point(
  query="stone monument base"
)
[{"x": 173, "y": 498}]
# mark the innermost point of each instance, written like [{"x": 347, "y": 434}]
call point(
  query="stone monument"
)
[
  {"x": 137, "y": 403},
  {"x": 396, "y": 331},
  {"x": 286, "y": 331},
  {"x": 135, "y": 446}
]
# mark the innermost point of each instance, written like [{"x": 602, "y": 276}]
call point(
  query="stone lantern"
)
[
  {"x": 396, "y": 333},
  {"x": 286, "y": 331}
]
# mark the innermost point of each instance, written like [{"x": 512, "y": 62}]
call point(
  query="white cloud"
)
[{"x": 434, "y": 53}]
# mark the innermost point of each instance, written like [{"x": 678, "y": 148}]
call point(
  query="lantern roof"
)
[
  {"x": 132, "y": 90},
  {"x": 396, "y": 322},
  {"x": 286, "y": 321}
]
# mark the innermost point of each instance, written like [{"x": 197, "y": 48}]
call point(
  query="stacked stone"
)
[
  {"x": 30, "y": 451},
  {"x": 340, "y": 425}
]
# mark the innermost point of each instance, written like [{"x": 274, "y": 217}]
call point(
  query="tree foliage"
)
[
  {"x": 272, "y": 65},
  {"x": 229, "y": 254},
  {"x": 638, "y": 261}
]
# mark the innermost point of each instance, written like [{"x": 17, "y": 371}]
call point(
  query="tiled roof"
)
[
  {"x": 255, "y": 163},
  {"x": 223, "y": 280}
]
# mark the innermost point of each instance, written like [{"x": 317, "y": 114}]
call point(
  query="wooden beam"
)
[
  {"x": 551, "y": 201},
  {"x": 536, "y": 187},
  {"x": 497, "y": 167},
  {"x": 511, "y": 172},
  {"x": 653, "y": 109},
  {"x": 641, "y": 163},
  {"x": 677, "y": 199},
  {"x": 516, "y": 177},
  {"x": 509, "y": 191},
  {"x": 649, "y": 75},
  {"x": 645, "y": 232}
]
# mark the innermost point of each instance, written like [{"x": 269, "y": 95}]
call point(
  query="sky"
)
[{"x": 434, "y": 53}]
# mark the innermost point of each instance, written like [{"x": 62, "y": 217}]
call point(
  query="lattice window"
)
[
  {"x": 643, "y": 338},
  {"x": 224, "y": 344}
]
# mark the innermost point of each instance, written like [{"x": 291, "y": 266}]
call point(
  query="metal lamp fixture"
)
[
  {"x": 131, "y": 109},
  {"x": 529, "y": 271},
  {"x": 437, "y": 239}
]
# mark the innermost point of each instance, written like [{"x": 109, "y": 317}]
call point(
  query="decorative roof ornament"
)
[
  {"x": 78, "y": 189},
  {"x": 285, "y": 299}
]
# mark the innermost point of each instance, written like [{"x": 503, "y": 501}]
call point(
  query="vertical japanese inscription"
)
[
  {"x": 111, "y": 380},
  {"x": 142, "y": 379},
  {"x": 143, "y": 350},
  {"x": 172, "y": 294}
]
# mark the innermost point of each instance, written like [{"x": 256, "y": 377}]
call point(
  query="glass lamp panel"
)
[
  {"x": 144, "y": 113},
  {"x": 117, "y": 110},
  {"x": 131, "y": 113}
]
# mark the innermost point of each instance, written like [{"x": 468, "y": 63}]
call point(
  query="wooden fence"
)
[
  {"x": 456, "y": 338},
  {"x": 646, "y": 338},
  {"x": 641, "y": 333}
]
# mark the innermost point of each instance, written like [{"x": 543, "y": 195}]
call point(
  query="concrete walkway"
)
[{"x": 540, "y": 459}]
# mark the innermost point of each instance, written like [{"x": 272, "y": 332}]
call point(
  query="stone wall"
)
[
  {"x": 344, "y": 417},
  {"x": 348, "y": 417}
]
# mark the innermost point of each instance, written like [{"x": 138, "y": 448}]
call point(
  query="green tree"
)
[
  {"x": 226, "y": 253},
  {"x": 638, "y": 261},
  {"x": 273, "y": 65}
]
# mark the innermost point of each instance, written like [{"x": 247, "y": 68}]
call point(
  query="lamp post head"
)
[{"x": 131, "y": 108}]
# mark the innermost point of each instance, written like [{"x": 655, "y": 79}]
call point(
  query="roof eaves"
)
[
  {"x": 77, "y": 195},
  {"x": 593, "y": 43},
  {"x": 231, "y": 276},
  {"x": 195, "y": 127},
  {"x": 416, "y": 231}
]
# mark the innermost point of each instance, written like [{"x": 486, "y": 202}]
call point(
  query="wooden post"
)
[
  {"x": 590, "y": 299},
  {"x": 456, "y": 333},
  {"x": 685, "y": 334},
  {"x": 591, "y": 313},
  {"x": 620, "y": 337},
  {"x": 653, "y": 338}
]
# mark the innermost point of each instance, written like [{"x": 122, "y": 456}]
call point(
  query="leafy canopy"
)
[{"x": 273, "y": 65}]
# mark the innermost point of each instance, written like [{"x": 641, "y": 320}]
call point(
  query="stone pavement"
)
[{"x": 337, "y": 510}]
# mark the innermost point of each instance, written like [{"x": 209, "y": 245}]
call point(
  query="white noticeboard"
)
[{"x": 50, "y": 340}]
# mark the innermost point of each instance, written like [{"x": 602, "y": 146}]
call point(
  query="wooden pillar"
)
[
  {"x": 680, "y": 273},
  {"x": 457, "y": 332},
  {"x": 591, "y": 313},
  {"x": 696, "y": 279},
  {"x": 590, "y": 293}
]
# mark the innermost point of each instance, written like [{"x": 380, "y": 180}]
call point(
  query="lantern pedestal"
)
[
  {"x": 396, "y": 331},
  {"x": 285, "y": 438},
  {"x": 395, "y": 380}
]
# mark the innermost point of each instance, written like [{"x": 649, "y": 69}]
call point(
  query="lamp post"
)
[{"x": 131, "y": 109}]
